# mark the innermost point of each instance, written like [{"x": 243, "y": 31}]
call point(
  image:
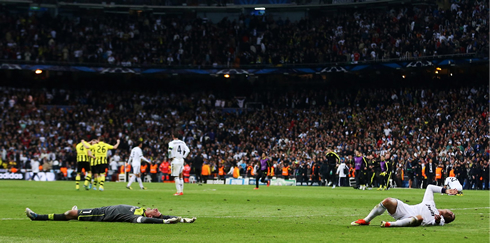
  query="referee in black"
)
[
  {"x": 332, "y": 160},
  {"x": 197, "y": 165}
]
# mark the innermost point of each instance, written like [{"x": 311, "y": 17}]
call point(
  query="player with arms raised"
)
[
  {"x": 424, "y": 213},
  {"x": 177, "y": 152},
  {"x": 116, "y": 213},
  {"x": 101, "y": 150}
]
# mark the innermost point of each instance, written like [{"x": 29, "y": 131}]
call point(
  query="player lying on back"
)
[
  {"x": 116, "y": 213},
  {"x": 424, "y": 213}
]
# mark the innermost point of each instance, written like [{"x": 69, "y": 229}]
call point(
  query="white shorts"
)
[
  {"x": 403, "y": 211},
  {"x": 136, "y": 169},
  {"x": 177, "y": 166}
]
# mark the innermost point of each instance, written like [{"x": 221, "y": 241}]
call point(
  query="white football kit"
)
[
  {"x": 427, "y": 208},
  {"x": 135, "y": 159},
  {"x": 177, "y": 151},
  {"x": 453, "y": 183}
]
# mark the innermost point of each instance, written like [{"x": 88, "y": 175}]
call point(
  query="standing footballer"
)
[
  {"x": 177, "y": 152},
  {"x": 135, "y": 160},
  {"x": 101, "y": 150}
]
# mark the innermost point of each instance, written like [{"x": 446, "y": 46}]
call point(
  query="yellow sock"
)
[
  {"x": 87, "y": 179},
  {"x": 77, "y": 179},
  {"x": 101, "y": 178}
]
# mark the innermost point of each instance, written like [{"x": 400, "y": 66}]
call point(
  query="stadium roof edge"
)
[
  {"x": 232, "y": 6},
  {"x": 61, "y": 4}
]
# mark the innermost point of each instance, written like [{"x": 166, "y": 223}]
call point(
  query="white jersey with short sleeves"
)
[
  {"x": 427, "y": 208},
  {"x": 177, "y": 149},
  {"x": 453, "y": 183},
  {"x": 136, "y": 156}
]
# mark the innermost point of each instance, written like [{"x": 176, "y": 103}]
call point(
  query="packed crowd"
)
[
  {"x": 351, "y": 35},
  {"x": 449, "y": 126}
]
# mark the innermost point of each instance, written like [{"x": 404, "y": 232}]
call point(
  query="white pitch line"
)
[
  {"x": 282, "y": 216},
  {"x": 285, "y": 216},
  {"x": 468, "y": 208},
  {"x": 318, "y": 215}
]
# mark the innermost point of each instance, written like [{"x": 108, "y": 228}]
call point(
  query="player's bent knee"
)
[
  {"x": 390, "y": 204},
  {"x": 387, "y": 202}
]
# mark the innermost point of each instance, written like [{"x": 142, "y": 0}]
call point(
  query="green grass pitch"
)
[{"x": 227, "y": 213}]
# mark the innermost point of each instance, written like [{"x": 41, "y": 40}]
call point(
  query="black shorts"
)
[
  {"x": 101, "y": 168},
  {"x": 91, "y": 214},
  {"x": 94, "y": 169},
  {"x": 410, "y": 175},
  {"x": 83, "y": 165}
]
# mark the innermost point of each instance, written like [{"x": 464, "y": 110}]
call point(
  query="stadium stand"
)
[
  {"x": 446, "y": 123},
  {"x": 402, "y": 32}
]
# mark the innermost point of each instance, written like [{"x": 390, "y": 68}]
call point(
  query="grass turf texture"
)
[{"x": 228, "y": 213}]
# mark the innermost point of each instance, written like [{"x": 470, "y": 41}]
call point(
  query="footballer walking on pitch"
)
[
  {"x": 83, "y": 162},
  {"x": 100, "y": 162},
  {"x": 117, "y": 213},
  {"x": 92, "y": 160},
  {"x": 424, "y": 213},
  {"x": 177, "y": 152},
  {"x": 135, "y": 160}
]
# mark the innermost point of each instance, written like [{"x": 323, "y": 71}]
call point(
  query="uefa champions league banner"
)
[
  {"x": 252, "y": 182},
  {"x": 306, "y": 184},
  {"x": 42, "y": 176},
  {"x": 11, "y": 176},
  {"x": 233, "y": 181},
  {"x": 218, "y": 182},
  {"x": 260, "y": 69},
  {"x": 282, "y": 182}
]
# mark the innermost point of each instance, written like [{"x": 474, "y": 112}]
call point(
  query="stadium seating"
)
[
  {"x": 443, "y": 121},
  {"x": 351, "y": 35}
]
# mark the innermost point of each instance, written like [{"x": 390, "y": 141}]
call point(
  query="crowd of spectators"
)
[
  {"x": 449, "y": 126},
  {"x": 350, "y": 35}
]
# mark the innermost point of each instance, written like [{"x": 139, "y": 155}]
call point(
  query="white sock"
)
[
  {"x": 131, "y": 180},
  {"x": 181, "y": 185},
  {"x": 403, "y": 222},
  {"x": 377, "y": 210},
  {"x": 177, "y": 184},
  {"x": 139, "y": 181}
]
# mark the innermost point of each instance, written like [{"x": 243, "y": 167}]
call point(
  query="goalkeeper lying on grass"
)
[{"x": 117, "y": 213}]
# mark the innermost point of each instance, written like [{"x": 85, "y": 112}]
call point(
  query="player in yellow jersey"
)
[
  {"x": 83, "y": 162},
  {"x": 88, "y": 177},
  {"x": 101, "y": 150}
]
